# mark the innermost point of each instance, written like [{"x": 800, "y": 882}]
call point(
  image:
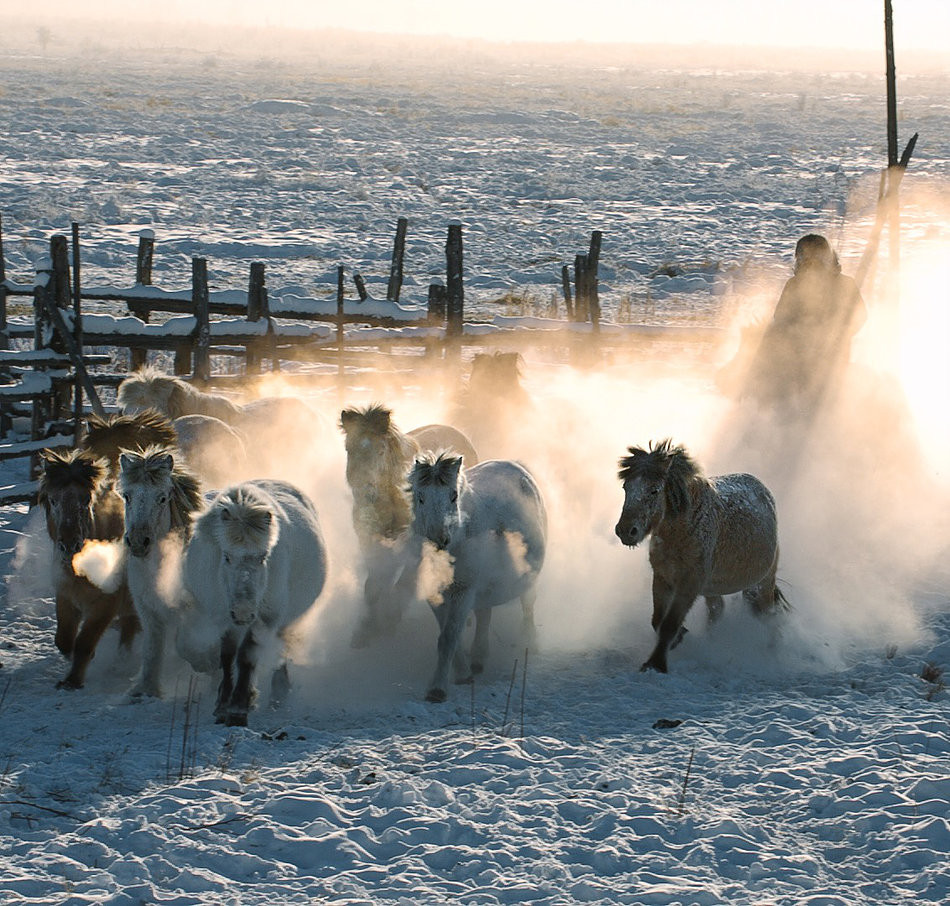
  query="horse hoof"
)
[
  {"x": 436, "y": 695},
  {"x": 69, "y": 684},
  {"x": 650, "y": 665},
  {"x": 236, "y": 720}
]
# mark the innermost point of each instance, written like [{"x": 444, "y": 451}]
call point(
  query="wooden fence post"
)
[
  {"x": 341, "y": 368},
  {"x": 143, "y": 277},
  {"x": 436, "y": 304},
  {"x": 455, "y": 291},
  {"x": 258, "y": 307},
  {"x": 201, "y": 300},
  {"x": 143, "y": 260},
  {"x": 4, "y": 341},
  {"x": 77, "y": 333},
  {"x": 580, "y": 288},
  {"x": 395, "y": 270},
  {"x": 593, "y": 296},
  {"x": 566, "y": 287}
]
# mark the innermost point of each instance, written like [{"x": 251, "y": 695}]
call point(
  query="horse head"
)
[
  {"x": 159, "y": 497},
  {"x": 246, "y": 532},
  {"x": 377, "y": 452},
  {"x": 70, "y": 487},
  {"x": 655, "y": 485},
  {"x": 436, "y": 484}
]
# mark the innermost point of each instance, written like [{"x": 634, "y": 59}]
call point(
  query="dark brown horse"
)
[
  {"x": 81, "y": 506},
  {"x": 708, "y": 536}
]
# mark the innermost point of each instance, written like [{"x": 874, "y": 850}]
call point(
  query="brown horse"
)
[
  {"x": 378, "y": 460},
  {"x": 107, "y": 435},
  {"x": 81, "y": 506},
  {"x": 709, "y": 536}
]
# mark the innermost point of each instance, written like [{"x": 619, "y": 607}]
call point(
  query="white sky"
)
[{"x": 851, "y": 24}]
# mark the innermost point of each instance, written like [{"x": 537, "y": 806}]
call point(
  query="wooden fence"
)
[{"x": 54, "y": 381}]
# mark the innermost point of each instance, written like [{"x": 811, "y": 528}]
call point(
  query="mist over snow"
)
[{"x": 784, "y": 762}]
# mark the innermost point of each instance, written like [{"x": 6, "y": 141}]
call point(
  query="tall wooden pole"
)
[{"x": 893, "y": 173}]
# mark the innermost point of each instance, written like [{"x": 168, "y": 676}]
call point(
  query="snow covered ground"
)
[{"x": 805, "y": 763}]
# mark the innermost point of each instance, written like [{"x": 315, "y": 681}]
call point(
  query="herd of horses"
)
[{"x": 224, "y": 575}]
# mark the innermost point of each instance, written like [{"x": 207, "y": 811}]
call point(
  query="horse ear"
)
[
  {"x": 454, "y": 464},
  {"x": 166, "y": 461},
  {"x": 125, "y": 461},
  {"x": 346, "y": 419}
]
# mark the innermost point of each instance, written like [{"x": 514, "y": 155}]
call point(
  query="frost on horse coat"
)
[
  {"x": 492, "y": 523},
  {"x": 708, "y": 536},
  {"x": 257, "y": 562}
]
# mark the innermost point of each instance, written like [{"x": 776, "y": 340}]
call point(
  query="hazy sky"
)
[{"x": 852, "y": 24}]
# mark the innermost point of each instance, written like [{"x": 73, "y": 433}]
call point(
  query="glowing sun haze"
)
[{"x": 850, "y": 24}]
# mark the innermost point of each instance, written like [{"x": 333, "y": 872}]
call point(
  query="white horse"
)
[
  {"x": 161, "y": 498},
  {"x": 256, "y": 563},
  {"x": 492, "y": 523},
  {"x": 378, "y": 458}
]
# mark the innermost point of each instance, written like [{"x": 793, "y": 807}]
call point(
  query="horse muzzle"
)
[
  {"x": 138, "y": 547},
  {"x": 630, "y": 535}
]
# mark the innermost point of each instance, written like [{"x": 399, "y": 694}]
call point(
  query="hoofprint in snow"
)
[{"x": 810, "y": 768}]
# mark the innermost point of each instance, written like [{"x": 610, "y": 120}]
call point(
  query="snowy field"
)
[{"x": 797, "y": 763}]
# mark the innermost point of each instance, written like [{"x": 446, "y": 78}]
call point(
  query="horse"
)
[
  {"x": 378, "y": 458},
  {"x": 106, "y": 436},
  {"x": 256, "y": 563},
  {"x": 211, "y": 448},
  {"x": 493, "y": 404},
  {"x": 149, "y": 388},
  {"x": 491, "y": 524},
  {"x": 80, "y": 505},
  {"x": 708, "y": 536},
  {"x": 161, "y": 498}
]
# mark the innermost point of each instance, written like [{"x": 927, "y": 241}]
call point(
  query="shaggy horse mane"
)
[
  {"x": 663, "y": 462},
  {"x": 436, "y": 469},
  {"x": 62, "y": 469},
  {"x": 107, "y": 435},
  {"x": 244, "y": 519},
  {"x": 148, "y": 467}
]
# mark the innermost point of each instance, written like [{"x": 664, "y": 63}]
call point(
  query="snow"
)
[{"x": 797, "y": 764}]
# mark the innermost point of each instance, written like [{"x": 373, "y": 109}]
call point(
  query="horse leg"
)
[
  {"x": 765, "y": 597},
  {"x": 226, "y": 686},
  {"x": 662, "y": 599},
  {"x": 242, "y": 697},
  {"x": 279, "y": 686},
  {"x": 371, "y": 623},
  {"x": 480, "y": 642},
  {"x": 529, "y": 631},
  {"x": 67, "y": 623},
  {"x": 84, "y": 650},
  {"x": 670, "y": 627},
  {"x": 129, "y": 624},
  {"x": 149, "y": 679},
  {"x": 452, "y": 615},
  {"x": 714, "y": 607}
]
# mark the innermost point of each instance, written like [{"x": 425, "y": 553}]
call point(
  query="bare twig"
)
[
  {"x": 6, "y": 689},
  {"x": 42, "y": 808},
  {"x": 511, "y": 685},
  {"x": 524, "y": 682},
  {"x": 689, "y": 767},
  {"x": 474, "y": 735}
]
